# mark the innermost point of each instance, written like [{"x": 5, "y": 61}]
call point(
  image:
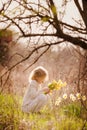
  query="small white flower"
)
[
  {"x": 58, "y": 101},
  {"x": 84, "y": 98},
  {"x": 65, "y": 96},
  {"x": 72, "y": 97},
  {"x": 78, "y": 95}
]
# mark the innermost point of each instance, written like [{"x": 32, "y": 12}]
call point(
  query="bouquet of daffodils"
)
[{"x": 56, "y": 85}]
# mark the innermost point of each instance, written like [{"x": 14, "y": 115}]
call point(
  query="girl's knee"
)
[{"x": 43, "y": 97}]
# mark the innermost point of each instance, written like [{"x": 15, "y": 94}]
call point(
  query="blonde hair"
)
[{"x": 39, "y": 72}]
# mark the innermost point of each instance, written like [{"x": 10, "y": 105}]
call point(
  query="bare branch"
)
[
  {"x": 38, "y": 58},
  {"x": 30, "y": 54}
]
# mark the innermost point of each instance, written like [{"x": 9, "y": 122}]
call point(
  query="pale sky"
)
[{"x": 71, "y": 12}]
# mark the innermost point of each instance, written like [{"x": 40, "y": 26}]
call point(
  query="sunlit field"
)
[
  {"x": 43, "y": 55},
  {"x": 66, "y": 116}
]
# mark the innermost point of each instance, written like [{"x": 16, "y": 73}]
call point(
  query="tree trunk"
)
[{"x": 84, "y": 2}]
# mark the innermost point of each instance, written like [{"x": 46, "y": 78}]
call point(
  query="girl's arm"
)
[{"x": 45, "y": 90}]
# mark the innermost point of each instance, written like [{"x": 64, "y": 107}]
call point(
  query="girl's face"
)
[{"x": 40, "y": 80}]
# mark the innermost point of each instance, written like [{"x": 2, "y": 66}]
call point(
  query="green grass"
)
[{"x": 65, "y": 118}]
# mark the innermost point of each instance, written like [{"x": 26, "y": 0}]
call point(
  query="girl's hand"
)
[{"x": 46, "y": 90}]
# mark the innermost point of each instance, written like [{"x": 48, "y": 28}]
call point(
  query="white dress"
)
[{"x": 34, "y": 99}]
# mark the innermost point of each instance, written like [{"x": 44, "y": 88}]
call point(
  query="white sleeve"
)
[{"x": 31, "y": 93}]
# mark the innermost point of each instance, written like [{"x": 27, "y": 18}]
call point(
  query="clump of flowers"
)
[
  {"x": 72, "y": 97},
  {"x": 56, "y": 84}
]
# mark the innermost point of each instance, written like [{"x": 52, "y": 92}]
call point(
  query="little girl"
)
[{"x": 36, "y": 97}]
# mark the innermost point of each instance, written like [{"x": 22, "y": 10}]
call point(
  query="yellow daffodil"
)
[{"x": 56, "y": 84}]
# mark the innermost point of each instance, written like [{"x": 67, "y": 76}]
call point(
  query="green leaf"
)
[
  {"x": 54, "y": 9},
  {"x": 45, "y": 19}
]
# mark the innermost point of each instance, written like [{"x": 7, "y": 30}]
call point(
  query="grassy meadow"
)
[{"x": 69, "y": 116}]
